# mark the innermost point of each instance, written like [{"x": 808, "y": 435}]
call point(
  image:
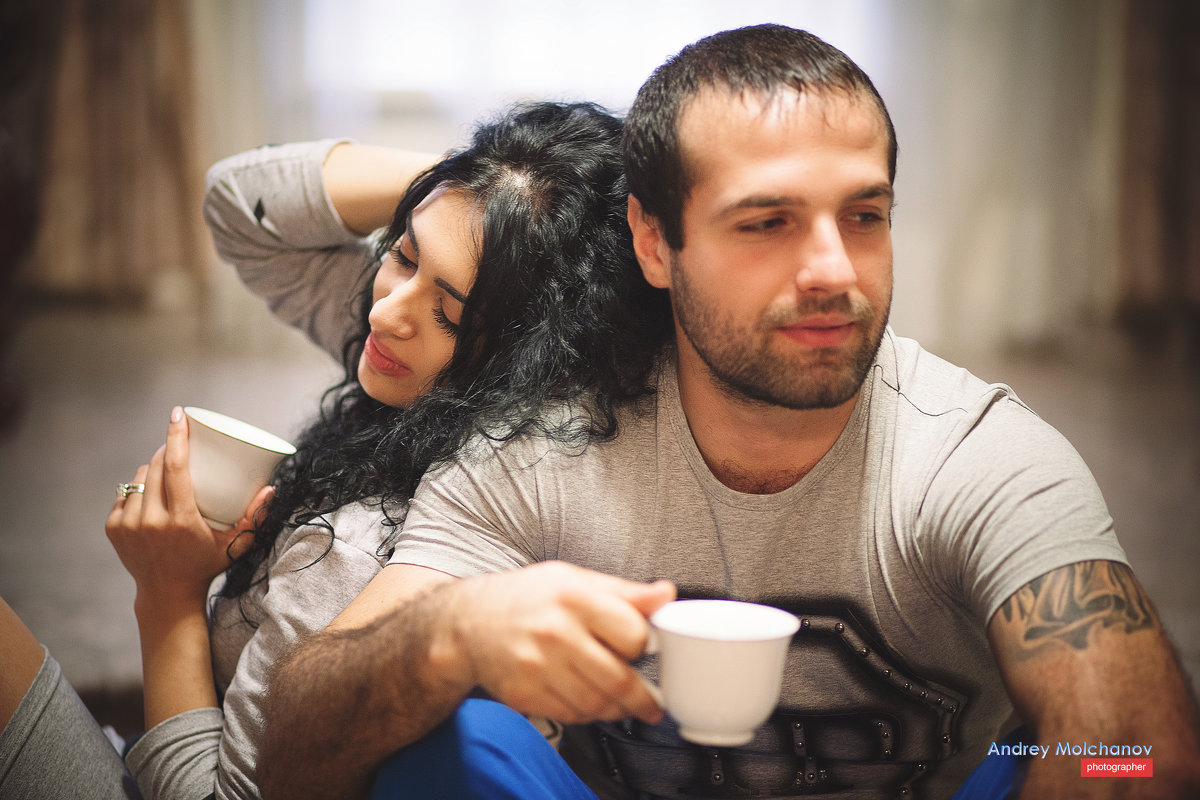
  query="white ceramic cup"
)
[
  {"x": 230, "y": 461},
  {"x": 721, "y": 666}
]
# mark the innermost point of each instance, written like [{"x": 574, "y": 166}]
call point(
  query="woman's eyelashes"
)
[
  {"x": 401, "y": 259},
  {"x": 439, "y": 316},
  {"x": 439, "y": 310}
]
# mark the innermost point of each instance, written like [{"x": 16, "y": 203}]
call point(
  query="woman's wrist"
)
[
  {"x": 176, "y": 662},
  {"x": 169, "y": 602}
]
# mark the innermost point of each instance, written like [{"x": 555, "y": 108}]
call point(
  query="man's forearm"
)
[
  {"x": 347, "y": 700},
  {"x": 1085, "y": 657},
  {"x": 1154, "y": 706}
]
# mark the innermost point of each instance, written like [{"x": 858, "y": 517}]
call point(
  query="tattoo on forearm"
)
[{"x": 1067, "y": 604}]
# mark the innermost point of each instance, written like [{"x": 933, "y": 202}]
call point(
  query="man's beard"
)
[{"x": 744, "y": 364}]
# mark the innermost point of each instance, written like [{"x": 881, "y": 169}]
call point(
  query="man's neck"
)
[{"x": 751, "y": 446}]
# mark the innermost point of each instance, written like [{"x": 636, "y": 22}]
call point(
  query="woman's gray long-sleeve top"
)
[{"x": 272, "y": 219}]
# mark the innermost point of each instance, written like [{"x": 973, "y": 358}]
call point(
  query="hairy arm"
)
[
  {"x": 551, "y": 640},
  {"x": 332, "y": 711},
  {"x": 1085, "y": 658}
]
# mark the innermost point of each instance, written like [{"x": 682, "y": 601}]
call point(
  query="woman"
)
[{"x": 504, "y": 283}]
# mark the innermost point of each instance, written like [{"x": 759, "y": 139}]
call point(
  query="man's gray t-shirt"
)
[{"x": 942, "y": 497}]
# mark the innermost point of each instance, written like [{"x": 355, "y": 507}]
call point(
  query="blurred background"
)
[{"x": 1047, "y": 233}]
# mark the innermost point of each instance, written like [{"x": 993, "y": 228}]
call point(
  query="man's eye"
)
[
  {"x": 762, "y": 225},
  {"x": 867, "y": 219}
]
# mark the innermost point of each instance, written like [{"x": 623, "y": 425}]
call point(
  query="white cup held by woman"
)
[{"x": 230, "y": 461}]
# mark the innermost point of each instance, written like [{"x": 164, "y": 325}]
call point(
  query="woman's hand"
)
[
  {"x": 159, "y": 535},
  {"x": 173, "y": 555}
]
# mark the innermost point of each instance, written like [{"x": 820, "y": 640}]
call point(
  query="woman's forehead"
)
[{"x": 445, "y": 231}]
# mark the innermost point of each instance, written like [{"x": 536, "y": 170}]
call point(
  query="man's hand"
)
[
  {"x": 556, "y": 640},
  {"x": 551, "y": 639},
  {"x": 1085, "y": 658}
]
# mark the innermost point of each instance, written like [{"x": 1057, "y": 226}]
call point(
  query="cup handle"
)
[
  {"x": 653, "y": 689},
  {"x": 652, "y": 647}
]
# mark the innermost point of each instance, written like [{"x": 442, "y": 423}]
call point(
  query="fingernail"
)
[{"x": 176, "y": 414}]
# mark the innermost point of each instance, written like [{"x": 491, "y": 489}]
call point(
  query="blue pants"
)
[
  {"x": 488, "y": 751},
  {"x": 997, "y": 777}
]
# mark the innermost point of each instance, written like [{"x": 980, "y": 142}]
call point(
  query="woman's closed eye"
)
[
  {"x": 439, "y": 316},
  {"x": 439, "y": 311},
  {"x": 397, "y": 253}
]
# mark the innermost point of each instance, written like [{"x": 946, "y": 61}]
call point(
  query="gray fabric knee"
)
[{"x": 53, "y": 747}]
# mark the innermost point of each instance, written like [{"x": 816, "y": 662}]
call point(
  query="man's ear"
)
[{"x": 649, "y": 245}]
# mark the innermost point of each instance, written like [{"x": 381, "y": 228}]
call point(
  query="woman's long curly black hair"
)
[{"x": 558, "y": 312}]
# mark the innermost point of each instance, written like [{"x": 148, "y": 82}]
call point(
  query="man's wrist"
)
[{"x": 448, "y": 662}]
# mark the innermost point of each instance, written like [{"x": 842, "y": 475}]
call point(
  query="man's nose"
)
[{"x": 824, "y": 265}]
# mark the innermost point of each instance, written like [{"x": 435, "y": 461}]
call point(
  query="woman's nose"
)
[{"x": 392, "y": 312}]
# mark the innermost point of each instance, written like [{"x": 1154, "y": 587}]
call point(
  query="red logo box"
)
[{"x": 1116, "y": 768}]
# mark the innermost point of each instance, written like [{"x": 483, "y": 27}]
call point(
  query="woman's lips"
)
[
  {"x": 382, "y": 361},
  {"x": 820, "y": 332}
]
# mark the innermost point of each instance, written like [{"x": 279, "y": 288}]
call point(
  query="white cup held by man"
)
[
  {"x": 229, "y": 461},
  {"x": 721, "y": 666}
]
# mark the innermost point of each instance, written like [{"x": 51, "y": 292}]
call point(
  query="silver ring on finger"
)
[{"x": 126, "y": 489}]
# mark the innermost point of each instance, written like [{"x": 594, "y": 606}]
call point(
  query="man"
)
[{"x": 948, "y": 553}]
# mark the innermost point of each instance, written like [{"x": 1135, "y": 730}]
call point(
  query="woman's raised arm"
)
[{"x": 366, "y": 182}]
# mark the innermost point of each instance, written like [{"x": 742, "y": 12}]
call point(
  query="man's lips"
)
[
  {"x": 382, "y": 361},
  {"x": 820, "y": 331}
]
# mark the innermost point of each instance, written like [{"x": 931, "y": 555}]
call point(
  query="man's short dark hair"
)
[{"x": 761, "y": 59}]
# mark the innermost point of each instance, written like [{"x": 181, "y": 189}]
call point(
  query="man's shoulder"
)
[
  {"x": 935, "y": 410},
  {"x": 559, "y": 436},
  {"x": 935, "y": 387},
  {"x": 947, "y": 420}
]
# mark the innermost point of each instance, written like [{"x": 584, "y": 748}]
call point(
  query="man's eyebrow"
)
[
  {"x": 450, "y": 290},
  {"x": 764, "y": 201},
  {"x": 872, "y": 192}
]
